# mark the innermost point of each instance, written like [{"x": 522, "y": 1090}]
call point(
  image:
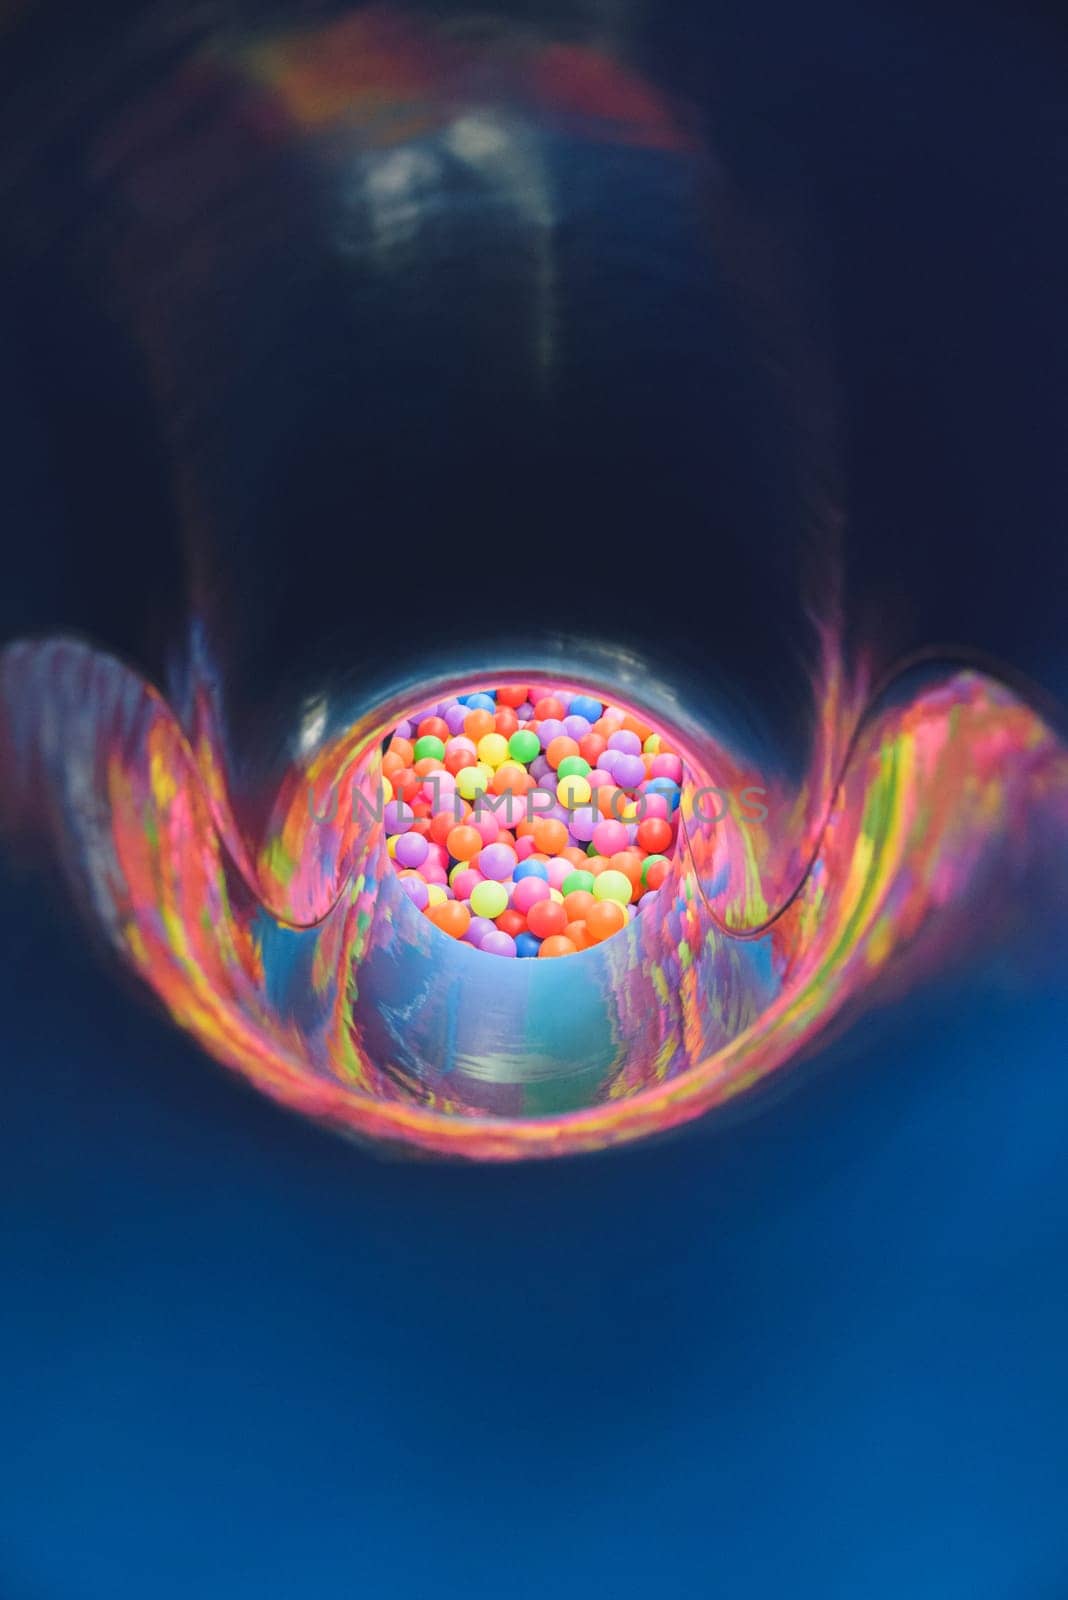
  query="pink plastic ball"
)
[
  {"x": 527, "y": 893},
  {"x": 558, "y": 869},
  {"x": 609, "y": 836},
  {"x": 666, "y": 767}
]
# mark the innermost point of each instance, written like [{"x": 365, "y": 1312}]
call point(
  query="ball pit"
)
[{"x": 530, "y": 826}]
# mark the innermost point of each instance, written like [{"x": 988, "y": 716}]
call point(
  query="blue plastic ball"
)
[{"x": 526, "y": 944}]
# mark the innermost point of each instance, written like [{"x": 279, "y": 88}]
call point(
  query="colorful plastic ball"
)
[
  {"x": 609, "y": 836},
  {"x": 532, "y": 869},
  {"x": 573, "y": 767},
  {"x": 489, "y": 899},
  {"x": 573, "y": 791},
  {"x": 431, "y": 728},
  {"x": 493, "y": 749},
  {"x": 464, "y": 880},
  {"x": 666, "y": 766},
  {"x": 529, "y": 892},
  {"x": 584, "y": 705},
  {"x": 584, "y": 820},
  {"x": 576, "y": 727},
  {"x": 557, "y": 944},
  {"x": 613, "y": 885},
  {"x": 550, "y": 835},
  {"x": 452, "y": 917},
  {"x": 559, "y": 749},
  {"x": 472, "y": 781},
  {"x": 628, "y": 770},
  {"x": 524, "y": 746},
  {"x": 548, "y": 706},
  {"x": 526, "y": 944},
  {"x": 497, "y": 861},
  {"x": 546, "y": 918},
  {"x": 481, "y": 702},
  {"x": 511, "y": 921},
  {"x": 655, "y": 835},
  {"x": 436, "y": 895},
  {"x": 477, "y": 930},
  {"x": 579, "y": 934},
  {"x": 511, "y": 695},
  {"x": 397, "y": 817},
  {"x": 415, "y": 888},
  {"x": 604, "y": 919},
  {"x": 411, "y": 850},
  {"x": 464, "y": 842},
  {"x": 578, "y": 903},
  {"x": 478, "y": 723},
  {"x": 498, "y": 943},
  {"x": 559, "y": 869},
  {"x": 430, "y": 747},
  {"x": 576, "y": 881},
  {"x": 628, "y": 743}
]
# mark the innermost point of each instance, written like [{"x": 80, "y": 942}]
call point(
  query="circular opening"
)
[
  {"x": 530, "y": 827},
  {"x": 433, "y": 1023}
]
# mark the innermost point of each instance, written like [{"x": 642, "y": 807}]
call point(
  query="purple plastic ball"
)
[
  {"x": 549, "y": 730},
  {"x": 411, "y": 850},
  {"x": 454, "y": 719},
  {"x": 497, "y": 861},
  {"x": 626, "y": 741},
  {"x": 477, "y": 930},
  {"x": 582, "y": 822},
  {"x": 416, "y": 890},
  {"x": 498, "y": 943},
  {"x": 576, "y": 727},
  {"x": 398, "y": 816},
  {"x": 628, "y": 771}
]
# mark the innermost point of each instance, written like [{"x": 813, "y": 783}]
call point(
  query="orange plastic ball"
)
[
  {"x": 557, "y": 945},
  {"x": 579, "y": 934},
  {"x": 550, "y": 707},
  {"x": 591, "y": 747},
  {"x": 577, "y": 904},
  {"x": 426, "y": 765},
  {"x": 505, "y": 722},
  {"x": 550, "y": 835},
  {"x": 391, "y": 763},
  {"x": 604, "y": 919},
  {"x": 452, "y": 917},
  {"x": 558, "y": 750},
  {"x": 655, "y": 835},
  {"x": 545, "y": 918},
  {"x": 403, "y": 748},
  {"x": 477, "y": 724},
  {"x": 463, "y": 842},
  {"x": 436, "y": 727},
  {"x": 630, "y": 863}
]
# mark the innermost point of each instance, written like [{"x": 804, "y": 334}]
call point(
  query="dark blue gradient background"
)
[{"x": 817, "y": 1351}]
